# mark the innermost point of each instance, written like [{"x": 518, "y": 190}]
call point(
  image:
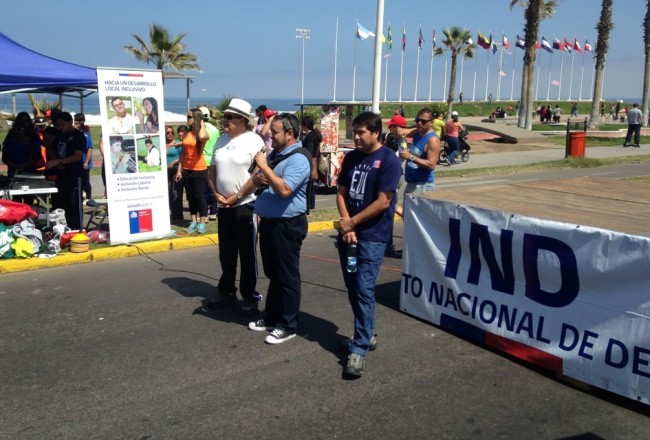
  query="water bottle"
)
[{"x": 352, "y": 257}]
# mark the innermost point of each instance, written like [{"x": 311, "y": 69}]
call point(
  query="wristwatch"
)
[
  {"x": 239, "y": 196},
  {"x": 411, "y": 158}
]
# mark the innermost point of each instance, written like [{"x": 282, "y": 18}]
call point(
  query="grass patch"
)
[
  {"x": 639, "y": 179},
  {"x": 597, "y": 141}
]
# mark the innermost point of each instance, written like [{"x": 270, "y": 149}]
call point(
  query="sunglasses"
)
[
  {"x": 190, "y": 117},
  {"x": 422, "y": 120},
  {"x": 229, "y": 116}
]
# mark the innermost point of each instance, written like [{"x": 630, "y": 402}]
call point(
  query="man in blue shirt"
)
[
  {"x": 366, "y": 201},
  {"x": 282, "y": 206}
]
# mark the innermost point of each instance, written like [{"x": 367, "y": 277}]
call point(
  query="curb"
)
[{"x": 128, "y": 250}]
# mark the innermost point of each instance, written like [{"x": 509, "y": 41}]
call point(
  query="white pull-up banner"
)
[
  {"x": 131, "y": 104},
  {"x": 570, "y": 298}
]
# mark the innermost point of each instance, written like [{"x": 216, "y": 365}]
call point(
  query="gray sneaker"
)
[
  {"x": 355, "y": 365},
  {"x": 345, "y": 344}
]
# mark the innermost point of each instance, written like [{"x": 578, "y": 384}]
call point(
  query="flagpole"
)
[
  {"x": 387, "y": 56},
  {"x": 591, "y": 96},
  {"x": 539, "y": 67},
  {"x": 462, "y": 68},
  {"x": 559, "y": 88},
  {"x": 487, "y": 72},
  {"x": 548, "y": 87},
  {"x": 417, "y": 68},
  {"x": 444, "y": 83},
  {"x": 354, "y": 69},
  {"x": 431, "y": 74},
  {"x": 512, "y": 83},
  {"x": 336, "y": 50},
  {"x": 376, "y": 66},
  {"x": 500, "y": 70},
  {"x": 474, "y": 86},
  {"x": 573, "y": 55},
  {"x": 582, "y": 74},
  {"x": 401, "y": 67}
]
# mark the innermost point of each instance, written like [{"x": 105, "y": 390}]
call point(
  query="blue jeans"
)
[
  {"x": 361, "y": 289},
  {"x": 453, "y": 145},
  {"x": 417, "y": 187}
]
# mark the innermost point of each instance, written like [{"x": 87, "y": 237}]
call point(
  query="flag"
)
[
  {"x": 537, "y": 45},
  {"x": 363, "y": 33},
  {"x": 483, "y": 41},
  {"x": 557, "y": 45},
  {"x": 505, "y": 42},
  {"x": 576, "y": 46},
  {"x": 588, "y": 47},
  {"x": 420, "y": 39},
  {"x": 403, "y": 38},
  {"x": 546, "y": 46},
  {"x": 555, "y": 83},
  {"x": 390, "y": 39},
  {"x": 502, "y": 73},
  {"x": 434, "y": 38},
  {"x": 568, "y": 45},
  {"x": 469, "y": 41},
  {"x": 521, "y": 44},
  {"x": 493, "y": 44}
]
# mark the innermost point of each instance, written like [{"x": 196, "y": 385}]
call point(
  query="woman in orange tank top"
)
[{"x": 193, "y": 169}]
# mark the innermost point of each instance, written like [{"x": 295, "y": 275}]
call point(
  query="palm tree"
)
[
  {"x": 646, "y": 72},
  {"x": 535, "y": 11},
  {"x": 604, "y": 27},
  {"x": 164, "y": 52},
  {"x": 456, "y": 41}
]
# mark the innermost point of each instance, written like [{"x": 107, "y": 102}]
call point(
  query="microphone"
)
[{"x": 254, "y": 164}]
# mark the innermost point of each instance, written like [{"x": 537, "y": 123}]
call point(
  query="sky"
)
[{"x": 250, "y": 50}]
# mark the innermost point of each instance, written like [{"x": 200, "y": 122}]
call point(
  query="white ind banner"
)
[
  {"x": 131, "y": 104},
  {"x": 573, "y": 299}
]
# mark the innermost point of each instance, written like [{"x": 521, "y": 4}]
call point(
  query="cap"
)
[
  {"x": 397, "y": 120},
  {"x": 454, "y": 113},
  {"x": 206, "y": 113},
  {"x": 268, "y": 113},
  {"x": 40, "y": 120}
]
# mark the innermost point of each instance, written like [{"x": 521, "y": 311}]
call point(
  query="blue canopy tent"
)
[{"x": 24, "y": 70}]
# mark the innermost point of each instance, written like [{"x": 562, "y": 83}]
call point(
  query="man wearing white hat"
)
[{"x": 237, "y": 225}]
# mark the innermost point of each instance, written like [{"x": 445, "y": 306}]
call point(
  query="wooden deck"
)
[{"x": 611, "y": 204}]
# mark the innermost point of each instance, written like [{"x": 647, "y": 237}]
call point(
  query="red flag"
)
[
  {"x": 537, "y": 45},
  {"x": 576, "y": 46},
  {"x": 506, "y": 43},
  {"x": 568, "y": 44},
  {"x": 588, "y": 47},
  {"x": 557, "y": 45}
]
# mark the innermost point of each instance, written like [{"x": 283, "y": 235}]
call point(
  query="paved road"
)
[{"x": 118, "y": 349}]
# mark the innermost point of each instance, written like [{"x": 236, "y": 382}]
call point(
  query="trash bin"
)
[{"x": 576, "y": 141}]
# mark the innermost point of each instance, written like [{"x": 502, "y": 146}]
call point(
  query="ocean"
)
[{"x": 173, "y": 105}]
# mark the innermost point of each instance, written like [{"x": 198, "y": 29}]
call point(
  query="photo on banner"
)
[{"x": 132, "y": 113}]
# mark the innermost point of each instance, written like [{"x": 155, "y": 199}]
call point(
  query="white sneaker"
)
[
  {"x": 259, "y": 326},
  {"x": 278, "y": 336}
]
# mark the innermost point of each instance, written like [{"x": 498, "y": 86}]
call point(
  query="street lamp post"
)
[{"x": 302, "y": 34}]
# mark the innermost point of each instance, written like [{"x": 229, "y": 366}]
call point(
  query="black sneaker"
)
[
  {"x": 278, "y": 336},
  {"x": 248, "y": 308},
  {"x": 222, "y": 299},
  {"x": 260, "y": 326},
  {"x": 355, "y": 365}
]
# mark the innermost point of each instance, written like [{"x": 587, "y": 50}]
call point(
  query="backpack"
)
[{"x": 310, "y": 183}]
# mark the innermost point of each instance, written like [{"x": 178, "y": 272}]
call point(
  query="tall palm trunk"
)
[
  {"x": 452, "y": 82},
  {"x": 646, "y": 71},
  {"x": 605, "y": 26},
  {"x": 523, "y": 104}
]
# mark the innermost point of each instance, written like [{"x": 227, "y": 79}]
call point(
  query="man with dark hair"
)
[
  {"x": 634, "y": 119},
  {"x": 65, "y": 158},
  {"x": 366, "y": 201},
  {"x": 282, "y": 205},
  {"x": 87, "y": 159},
  {"x": 422, "y": 155}
]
